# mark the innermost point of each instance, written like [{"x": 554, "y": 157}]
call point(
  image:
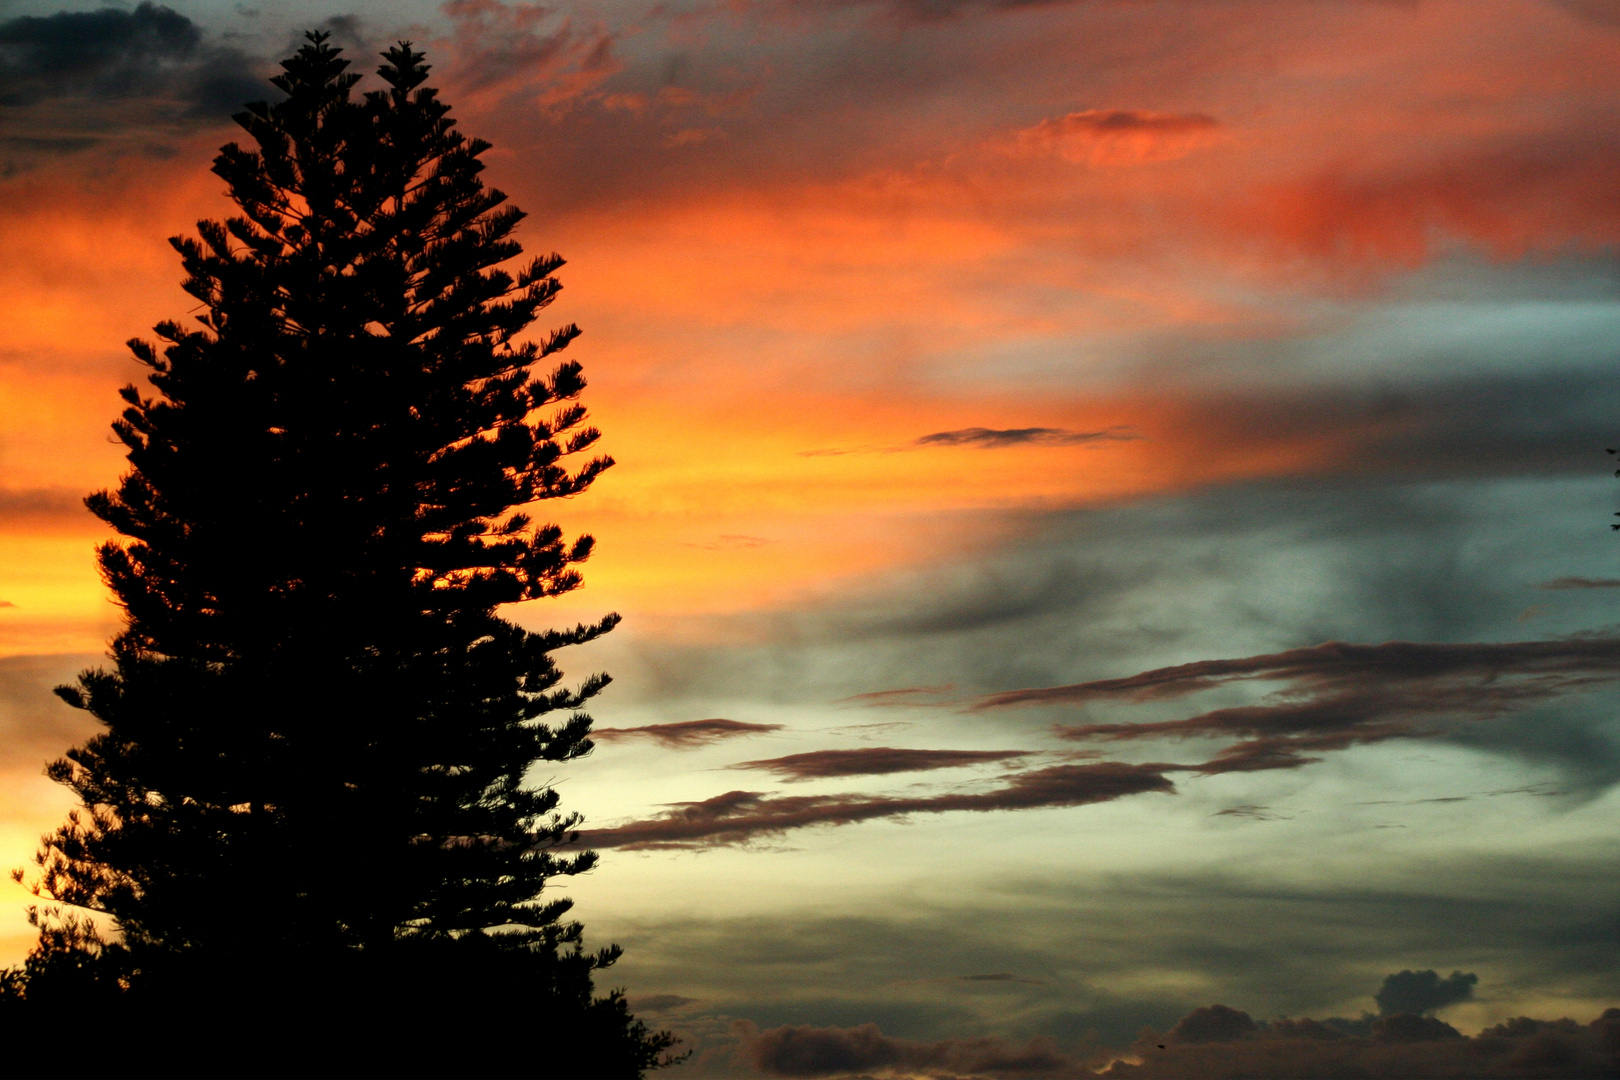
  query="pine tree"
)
[{"x": 319, "y": 733}]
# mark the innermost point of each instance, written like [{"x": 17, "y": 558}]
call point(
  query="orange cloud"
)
[{"x": 1110, "y": 137}]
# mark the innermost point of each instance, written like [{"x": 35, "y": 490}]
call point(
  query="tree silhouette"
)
[{"x": 312, "y": 787}]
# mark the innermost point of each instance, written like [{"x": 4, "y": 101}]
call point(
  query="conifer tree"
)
[{"x": 319, "y": 734}]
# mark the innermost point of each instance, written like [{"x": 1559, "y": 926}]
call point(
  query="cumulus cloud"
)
[
  {"x": 686, "y": 733},
  {"x": 1112, "y": 137},
  {"x": 874, "y": 761},
  {"x": 1420, "y": 992},
  {"x": 738, "y": 817},
  {"x": 1337, "y": 695},
  {"x": 997, "y": 438},
  {"x": 1219, "y": 1042}
]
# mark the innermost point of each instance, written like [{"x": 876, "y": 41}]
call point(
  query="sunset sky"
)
[{"x": 1121, "y": 482}]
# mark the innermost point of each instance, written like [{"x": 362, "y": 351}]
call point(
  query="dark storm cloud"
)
[
  {"x": 1580, "y": 583},
  {"x": 738, "y": 817},
  {"x": 874, "y": 761},
  {"x": 1420, "y": 992},
  {"x": 114, "y": 54},
  {"x": 687, "y": 733},
  {"x": 110, "y": 52},
  {"x": 78, "y": 80},
  {"x": 1339, "y": 695},
  {"x": 997, "y": 438}
]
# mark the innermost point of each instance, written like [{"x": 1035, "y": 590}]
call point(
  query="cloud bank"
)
[{"x": 1215, "y": 1041}]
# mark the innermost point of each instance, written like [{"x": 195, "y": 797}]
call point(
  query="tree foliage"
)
[{"x": 319, "y": 733}]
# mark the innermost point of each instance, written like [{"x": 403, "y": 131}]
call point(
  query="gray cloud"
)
[
  {"x": 874, "y": 761},
  {"x": 109, "y": 53},
  {"x": 112, "y": 54},
  {"x": 686, "y": 733},
  {"x": 1420, "y": 992},
  {"x": 738, "y": 817}
]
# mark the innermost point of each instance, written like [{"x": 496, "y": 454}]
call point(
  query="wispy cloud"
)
[
  {"x": 1338, "y": 695},
  {"x": 903, "y": 696},
  {"x": 874, "y": 761},
  {"x": 738, "y": 817},
  {"x": 1581, "y": 583},
  {"x": 686, "y": 733}
]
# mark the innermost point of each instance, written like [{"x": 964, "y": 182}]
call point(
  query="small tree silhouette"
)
[{"x": 312, "y": 790}]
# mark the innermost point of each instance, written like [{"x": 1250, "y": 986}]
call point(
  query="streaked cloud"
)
[
  {"x": 738, "y": 817},
  {"x": 1338, "y": 695},
  {"x": 996, "y": 438},
  {"x": 874, "y": 761},
  {"x": 686, "y": 733},
  {"x": 1580, "y": 583}
]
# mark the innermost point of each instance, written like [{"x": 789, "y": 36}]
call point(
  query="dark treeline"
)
[{"x": 306, "y": 818}]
